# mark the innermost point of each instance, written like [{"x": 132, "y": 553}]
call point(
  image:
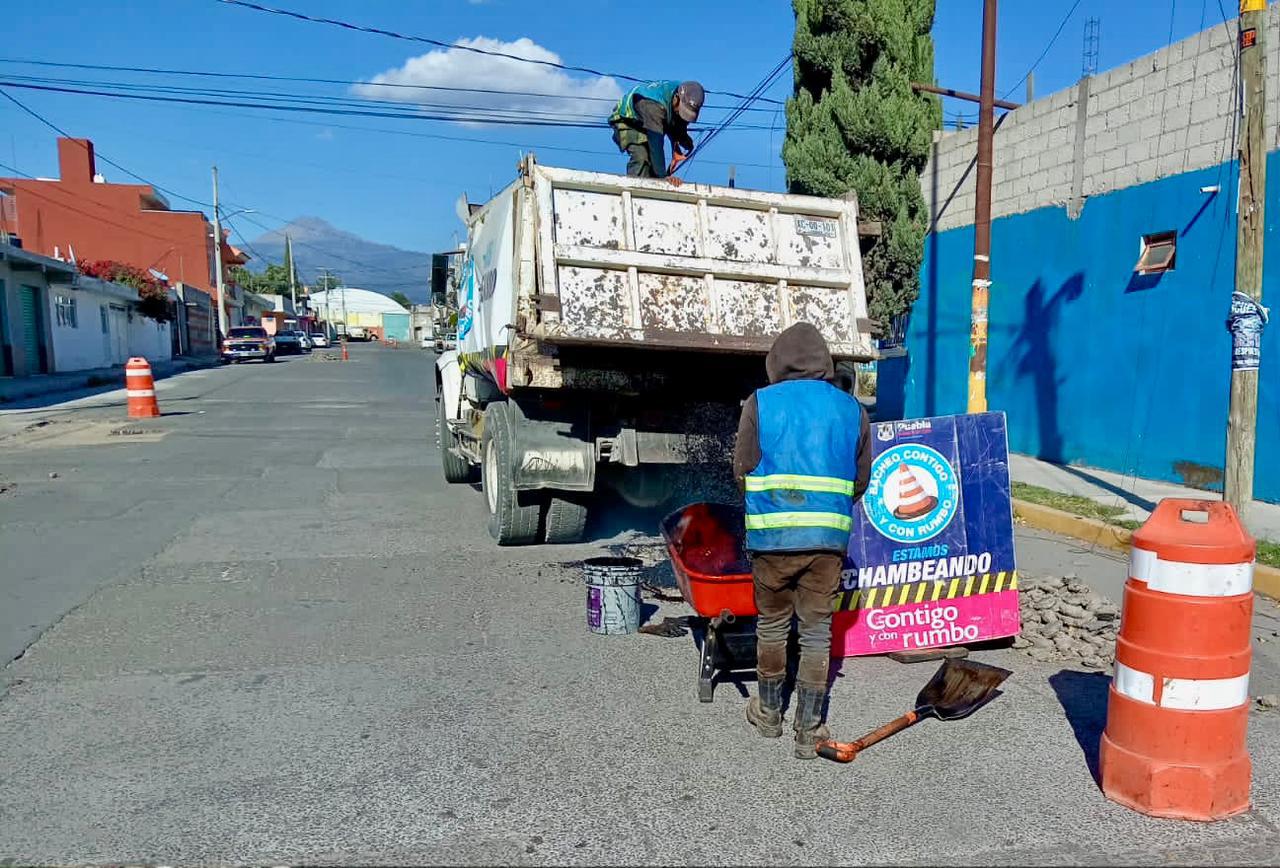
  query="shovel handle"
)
[{"x": 845, "y": 751}]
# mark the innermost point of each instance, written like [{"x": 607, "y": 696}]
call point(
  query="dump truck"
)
[{"x": 609, "y": 329}]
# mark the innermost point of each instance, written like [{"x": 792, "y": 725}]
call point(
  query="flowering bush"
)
[{"x": 153, "y": 294}]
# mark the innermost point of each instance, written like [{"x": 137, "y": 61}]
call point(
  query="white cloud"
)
[{"x": 590, "y": 97}]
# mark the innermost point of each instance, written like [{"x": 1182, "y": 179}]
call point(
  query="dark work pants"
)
[
  {"x": 641, "y": 163},
  {"x": 801, "y": 584}
]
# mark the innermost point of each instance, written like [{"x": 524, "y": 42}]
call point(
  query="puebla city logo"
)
[{"x": 913, "y": 493}]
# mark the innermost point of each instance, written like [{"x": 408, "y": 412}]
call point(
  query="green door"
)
[{"x": 31, "y": 329}]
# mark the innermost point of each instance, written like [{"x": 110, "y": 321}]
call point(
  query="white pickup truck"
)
[{"x": 610, "y": 327}]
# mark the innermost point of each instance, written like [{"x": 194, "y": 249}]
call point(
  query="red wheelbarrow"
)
[{"x": 707, "y": 546}]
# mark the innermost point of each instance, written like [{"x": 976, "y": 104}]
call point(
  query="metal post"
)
[
  {"x": 293, "y": 289},
  {"x": 1243, "y": 414},
  {"x": 982, "y": 217},
  {"x": 217, "y": 257}
]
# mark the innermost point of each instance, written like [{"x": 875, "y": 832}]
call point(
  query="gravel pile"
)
[{"x": 1064, "y": 619}]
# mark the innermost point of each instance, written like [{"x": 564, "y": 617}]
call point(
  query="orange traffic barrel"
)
[
  {"x": 141, "y": 389},
  {"x": 1178, "y": 708}
]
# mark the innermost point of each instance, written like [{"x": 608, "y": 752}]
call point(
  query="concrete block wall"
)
[{"x": 1162, "y": 114}]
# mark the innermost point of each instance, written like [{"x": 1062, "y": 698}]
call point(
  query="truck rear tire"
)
[
  {"x": 456, "y": 468},
  {"x": 513, "y": 517},
  {"x": 566, "y": 520}
]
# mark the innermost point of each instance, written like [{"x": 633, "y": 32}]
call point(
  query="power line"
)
[
  {"x": 1048, "y": 46},
  {"x": 457, "y": 117},
  {"x": 342, "y": 81},
  {"x": 42, "y": 119},
  {"x": 379, "y": 31},
  {"x": 733, "y": 116}
]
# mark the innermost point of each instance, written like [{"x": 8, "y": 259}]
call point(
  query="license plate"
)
[{"x": 820, "y": 228}]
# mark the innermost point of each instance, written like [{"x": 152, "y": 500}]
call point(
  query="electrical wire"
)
[
  {"x": 759, "y": 89},
  {"x": 1048, "y": 46},
  {"x": 455, "y": 117},
  {"x": 98, "y": 155},
  {"x": 341, "y": 81},
  {"x": 379, "y": 31}
]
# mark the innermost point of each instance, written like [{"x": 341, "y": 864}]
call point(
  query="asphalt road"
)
[{"x": 264, "y": 630}]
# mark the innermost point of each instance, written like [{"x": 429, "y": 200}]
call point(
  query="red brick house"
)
[{"x": 79, "y": 213}]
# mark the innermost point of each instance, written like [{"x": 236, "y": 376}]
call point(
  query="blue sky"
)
[{"x": 399, "y": 188}]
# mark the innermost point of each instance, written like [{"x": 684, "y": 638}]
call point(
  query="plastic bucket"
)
[{"x": 613, "y": 594}]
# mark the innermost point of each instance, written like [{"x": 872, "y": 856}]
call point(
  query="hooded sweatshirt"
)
[{"x": 799, "y": 353}]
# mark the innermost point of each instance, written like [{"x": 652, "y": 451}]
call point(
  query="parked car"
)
[
  {"x": 427, "y": 342},
  {"x": 304, "y": 339},
  {"x": 248, "y": 342},
  {"x": 287, "y": 343},
  {"x": 319, "y": 339},
  {"x": 357, "y": 333}
]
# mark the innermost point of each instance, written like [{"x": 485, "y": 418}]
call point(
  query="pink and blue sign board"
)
[{"x": 931, "y": 560}]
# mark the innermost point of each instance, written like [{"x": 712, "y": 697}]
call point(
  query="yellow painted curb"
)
[
  {"x": 1266, "y": 580},
  {"x": 1090, "y": 530}
]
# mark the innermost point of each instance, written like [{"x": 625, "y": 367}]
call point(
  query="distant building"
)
[{"x": 347, "y": 305}]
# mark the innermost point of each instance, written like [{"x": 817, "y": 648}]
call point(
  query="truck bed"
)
[{"x": 639, "y": 262}]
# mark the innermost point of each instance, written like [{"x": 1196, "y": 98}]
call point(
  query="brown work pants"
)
[{"x": 801, "y": 584}]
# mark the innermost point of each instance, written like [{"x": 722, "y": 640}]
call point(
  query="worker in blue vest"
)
[
  {"x": 803, "y": 457},
  {"x": 649, "y": 113}
]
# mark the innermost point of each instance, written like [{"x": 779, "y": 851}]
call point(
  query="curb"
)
[
  {"x": 1266, "y": 580},
  {"x": 183, "y": 365}
]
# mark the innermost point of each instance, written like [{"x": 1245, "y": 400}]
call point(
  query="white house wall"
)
[{"x": 86, "y": 346}]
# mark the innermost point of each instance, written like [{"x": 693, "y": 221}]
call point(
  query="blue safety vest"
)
[
  {"x": 659, "y": 91},
  {"x": 800, "y": 497}
]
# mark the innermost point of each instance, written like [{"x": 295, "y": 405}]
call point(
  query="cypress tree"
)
[{"x": 854, "y": 123}]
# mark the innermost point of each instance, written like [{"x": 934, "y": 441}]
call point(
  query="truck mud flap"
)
[{"x": 550, "y": 455}]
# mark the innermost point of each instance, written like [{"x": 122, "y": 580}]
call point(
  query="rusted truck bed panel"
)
[{"x": 639, "y": 262}]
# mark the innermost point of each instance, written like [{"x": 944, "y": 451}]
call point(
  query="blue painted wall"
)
[
  {"x": 395, "y": 326},
  {"x": 1093, "y": 364}
]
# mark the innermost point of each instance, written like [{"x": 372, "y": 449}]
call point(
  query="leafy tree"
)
[
  {"x": 272, "y": 281},
  {"x": 153, "y": 294},
  {"x": 854, "y": 123},
  {"x": 401, "y": 299}
]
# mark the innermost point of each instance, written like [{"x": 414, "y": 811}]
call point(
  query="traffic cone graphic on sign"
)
[{"x": 913, "y": 503}]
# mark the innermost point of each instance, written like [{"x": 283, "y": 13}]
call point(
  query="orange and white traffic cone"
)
[
  {"x": 1178, "y": 708},
  {"x": 141, "y": 389},
  {"x": 344, "y": 351},
  {"x": 913, "y": 502}
]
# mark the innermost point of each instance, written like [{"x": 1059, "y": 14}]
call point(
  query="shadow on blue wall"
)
[{"x": 1033, "y": 346}]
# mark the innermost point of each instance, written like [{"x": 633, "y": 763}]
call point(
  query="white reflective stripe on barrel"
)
[
  {"x": 141, "y": 393},
  {"x": 1193, "y": 580},
  {"x": 138, "y": 372},
  {"x": 1187, "y": 694}
]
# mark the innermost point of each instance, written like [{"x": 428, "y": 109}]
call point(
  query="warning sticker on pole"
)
[
  {"x": 1248, "y": 317},
  {"x": 931, "y": 560}
]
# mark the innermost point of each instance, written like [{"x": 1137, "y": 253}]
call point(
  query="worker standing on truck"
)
[
  {"x": 646, "y": 115},
  {"x": 803, "y": 457}
]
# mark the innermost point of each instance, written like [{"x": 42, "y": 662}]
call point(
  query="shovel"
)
[{"x": 957, "y": 689}]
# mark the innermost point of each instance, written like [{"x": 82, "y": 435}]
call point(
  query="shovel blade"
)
[{"x": 959, "y": 688}]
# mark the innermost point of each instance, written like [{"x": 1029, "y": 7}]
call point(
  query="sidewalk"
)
[
  {"x": 22, "y": 388},
  {"x": 1138, "y": 496}
]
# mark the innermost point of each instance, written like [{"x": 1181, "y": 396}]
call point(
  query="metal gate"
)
[
  {"x": 32, "y": 330},
  {"x": 119, "y": 335}
]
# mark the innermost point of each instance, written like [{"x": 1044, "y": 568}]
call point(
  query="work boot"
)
[
  {"x": 808, "y": 720},
  {"x": 764, "y": 712}
]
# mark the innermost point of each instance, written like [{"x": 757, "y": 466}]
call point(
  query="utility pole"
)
[
  {"x": 217, "y": 257},
  {"x": 293, "y": 289},
  {"x": 982, "y": 217},
  {"x": 1247, "y": 314}
]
